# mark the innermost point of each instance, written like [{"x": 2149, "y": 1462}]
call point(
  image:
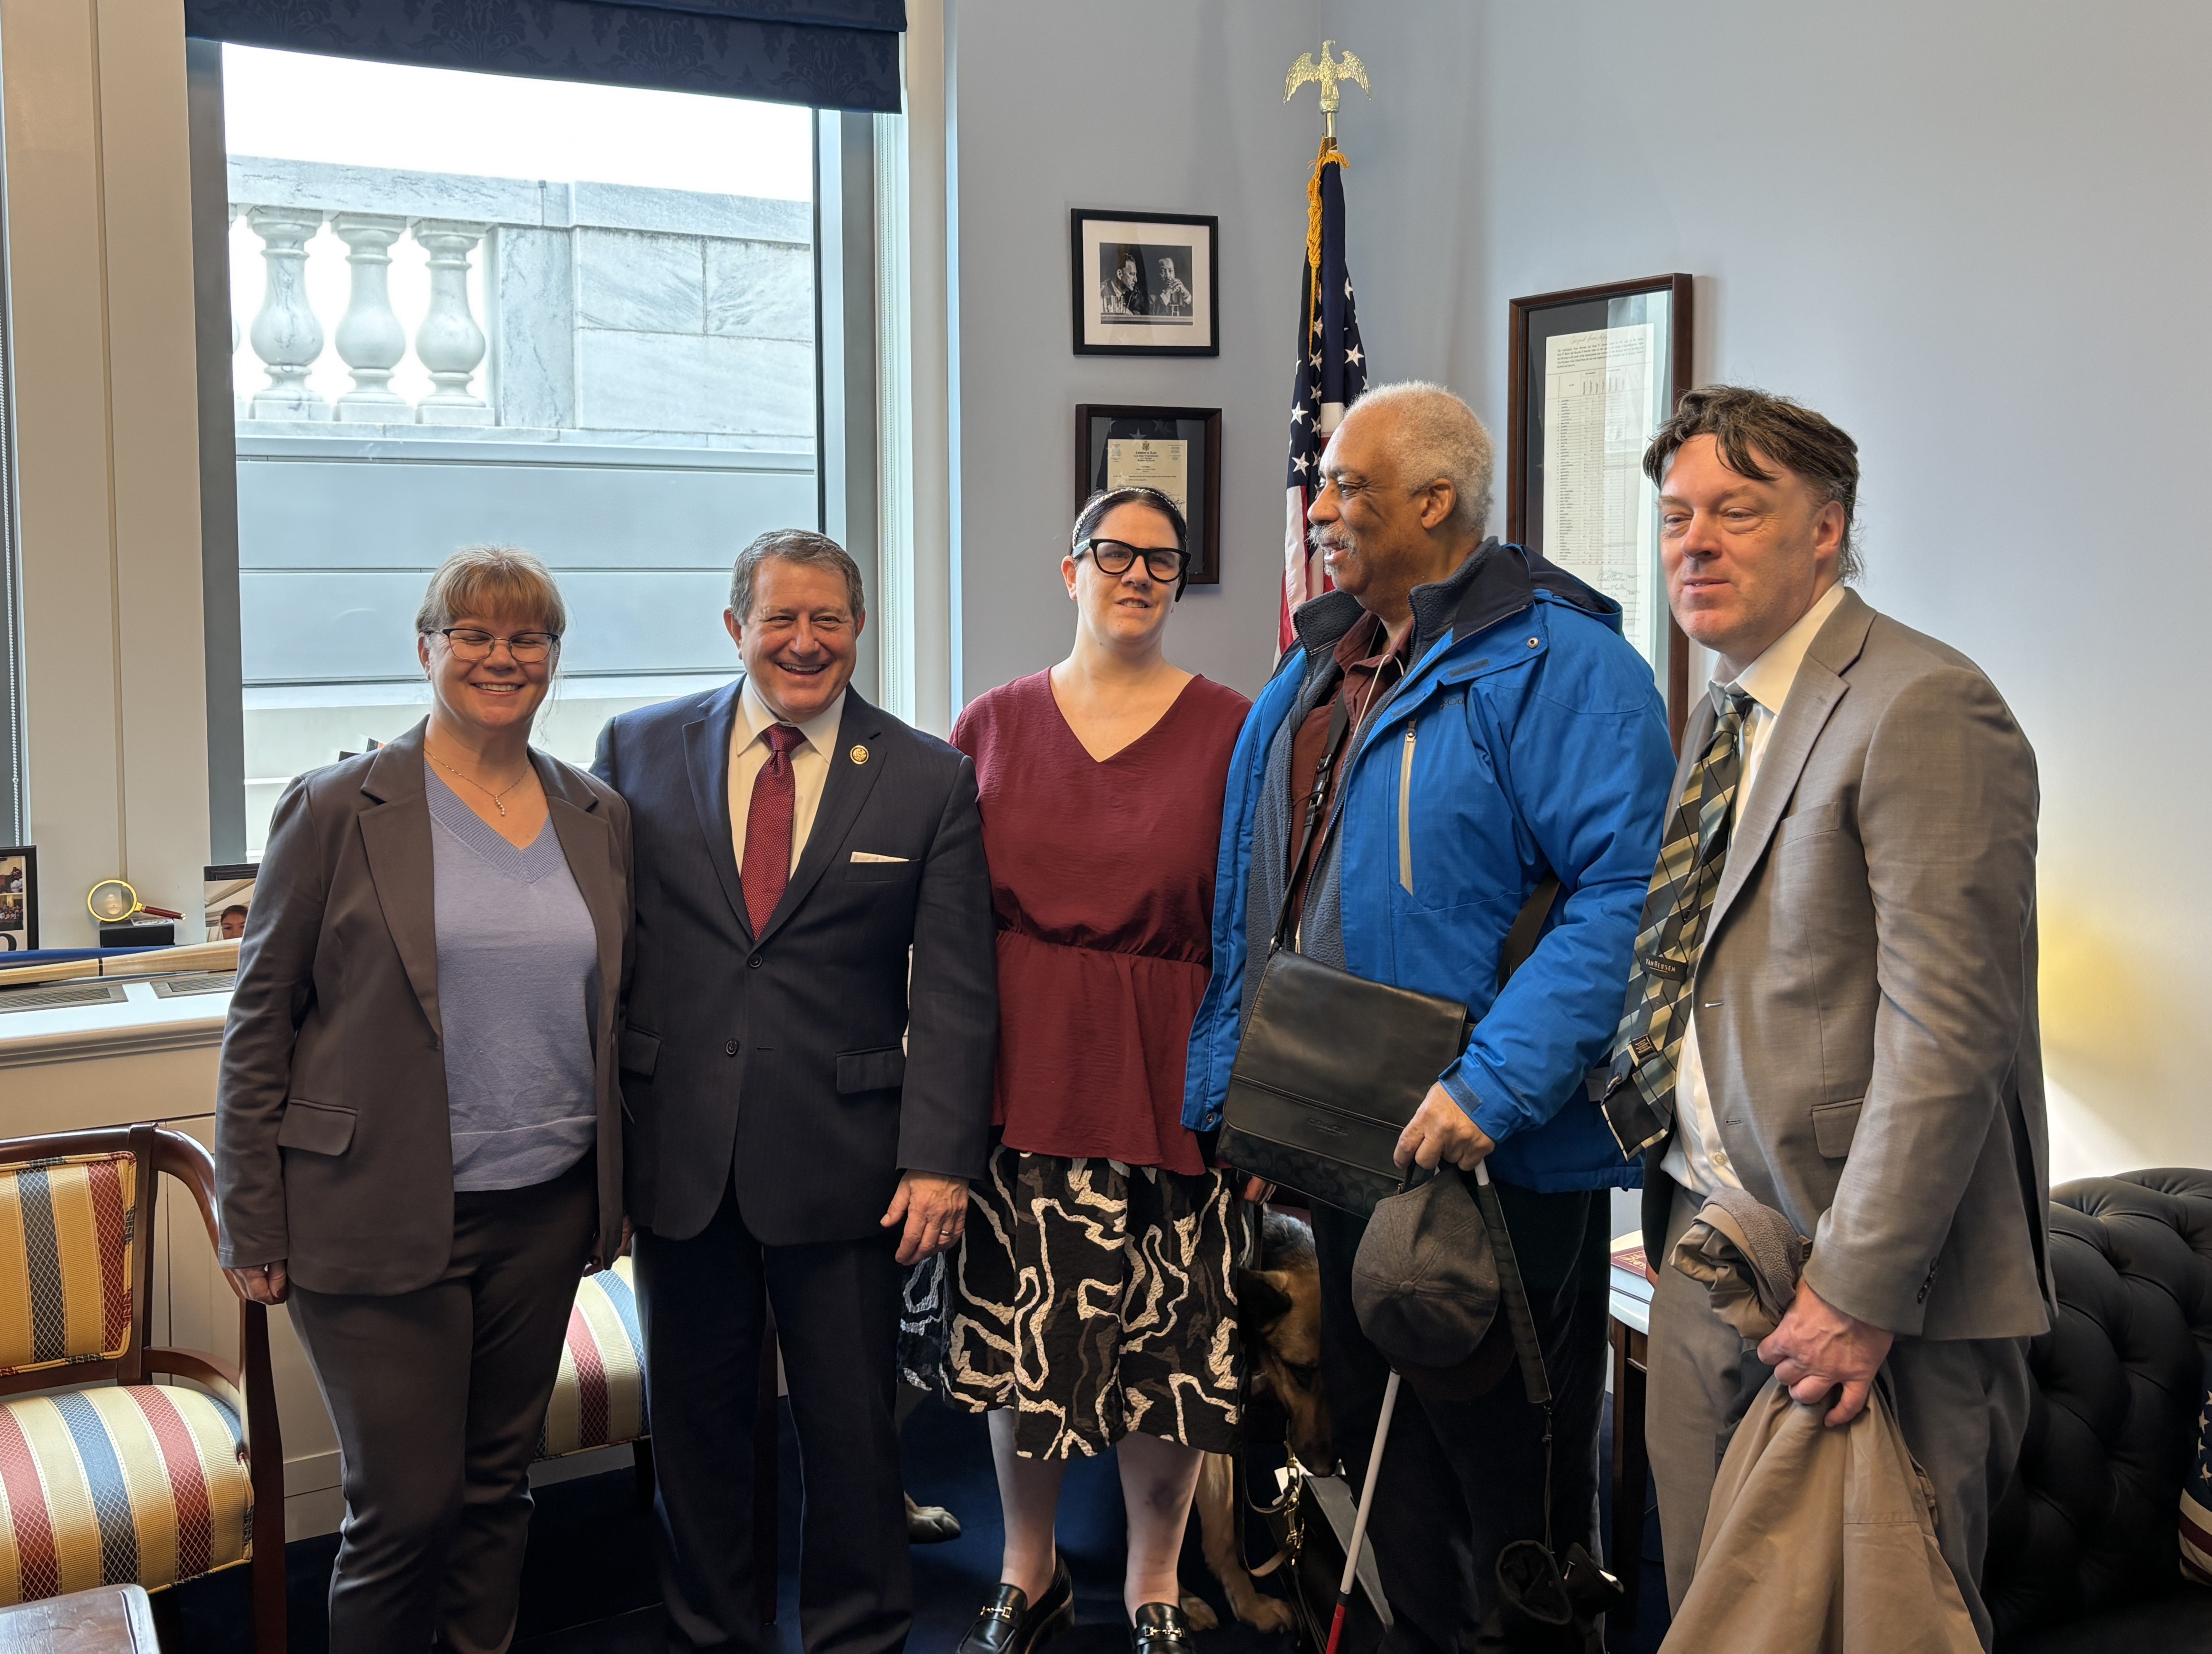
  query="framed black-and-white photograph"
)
[
  {"x": 1146, "y": 284},
  {"x": 226, "y": 893},
  {"x": 19, "y": 898},
  {"x": 1174, "y": 449}
]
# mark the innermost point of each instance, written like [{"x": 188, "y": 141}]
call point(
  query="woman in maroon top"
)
[{"x": 1092, "y": 1303}]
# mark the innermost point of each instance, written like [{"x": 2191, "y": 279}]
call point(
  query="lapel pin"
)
[{"x": 858, "y": 754}]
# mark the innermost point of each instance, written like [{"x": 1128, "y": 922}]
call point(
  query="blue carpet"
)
[{"x": 588, "y": 1584}]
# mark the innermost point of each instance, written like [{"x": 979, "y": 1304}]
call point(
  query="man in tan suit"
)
[{"x": 1833, "y": 1002}]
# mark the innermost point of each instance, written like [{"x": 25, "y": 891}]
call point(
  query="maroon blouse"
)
[{"x": 1102, "y": 876}]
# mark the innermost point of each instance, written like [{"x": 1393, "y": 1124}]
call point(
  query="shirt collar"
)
[
  {"x": 819, "y": 732},
  {"x": 1768, "y": 679}
]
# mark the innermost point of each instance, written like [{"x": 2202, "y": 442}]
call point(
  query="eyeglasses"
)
[
  {"x": 1163, "y": 563},
  {"x": 471, "y": 642}
]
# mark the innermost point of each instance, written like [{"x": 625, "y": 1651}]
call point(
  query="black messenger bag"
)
[{"x": 1331, "y": 1066}]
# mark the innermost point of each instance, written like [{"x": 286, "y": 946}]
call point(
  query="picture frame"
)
[
  {"x": 226, "y": 894},
  {"x": 1144, "y": 284},
  {"x": 19, "y": 898},
  {"x": 1120, "y": 444},
  {"x": 1592, "y": 373}
]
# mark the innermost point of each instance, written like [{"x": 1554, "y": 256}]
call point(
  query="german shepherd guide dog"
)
[{"x": 1278, "y": 1321}]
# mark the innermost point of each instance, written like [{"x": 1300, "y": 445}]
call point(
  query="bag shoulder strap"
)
[
  {"x": 1339, "y": 726},
  {"x": 1514, "y": 1291},
  {"x": 1528, "y": 926}
]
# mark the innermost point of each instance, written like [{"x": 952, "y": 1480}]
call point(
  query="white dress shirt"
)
[
  {"x": 809, "y": 765},
  {"x": 1696, "y": 1158}
]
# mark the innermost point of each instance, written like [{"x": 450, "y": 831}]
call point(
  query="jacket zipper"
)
[{"x": 1406, "y": 813}]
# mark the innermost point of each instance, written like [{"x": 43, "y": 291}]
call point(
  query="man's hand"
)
[
  {"x": 1818, "y": 1347},
  {"x": 1440, "y": 1131},
  {"x": 934, "y": 1210},
  {"x": 260, "y": 1283}
]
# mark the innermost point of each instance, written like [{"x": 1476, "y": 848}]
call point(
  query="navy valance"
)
[{"x": 833, "y": 54}]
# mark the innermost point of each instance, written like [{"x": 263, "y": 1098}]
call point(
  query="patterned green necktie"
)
[{"x": 1639, "y": 1104}]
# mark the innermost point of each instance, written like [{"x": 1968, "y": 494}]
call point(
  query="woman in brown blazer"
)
[{"x": 418, "y": 1139}]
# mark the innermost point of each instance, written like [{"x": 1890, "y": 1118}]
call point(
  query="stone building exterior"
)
[{"x": 620, "y": 379}]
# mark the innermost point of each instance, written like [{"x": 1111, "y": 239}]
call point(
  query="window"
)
[
  {"x": 472, "y": 308},
  {"x": 15, "y": 806}
]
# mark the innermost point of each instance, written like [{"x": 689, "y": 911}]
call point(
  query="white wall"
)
[
  {"x": 1971, "y": 234},
  {"x": 1178, "y": 107}
]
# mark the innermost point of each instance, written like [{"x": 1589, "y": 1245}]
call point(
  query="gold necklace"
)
[{"x": 499, "y": 798}]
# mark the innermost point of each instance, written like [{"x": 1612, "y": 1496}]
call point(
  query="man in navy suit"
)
[{"x": 806, "y": 1066}]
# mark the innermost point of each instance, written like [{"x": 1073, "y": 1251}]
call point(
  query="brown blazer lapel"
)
[
  {"x": 395, "y": 832},
  {"x": 587, "y": 840},
  {"x": 1813, "y": 699}
]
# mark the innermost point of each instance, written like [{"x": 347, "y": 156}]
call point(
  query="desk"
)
[
  {"x": 1628, "y": 1327},
  {"x": 113, "y": 1620}
]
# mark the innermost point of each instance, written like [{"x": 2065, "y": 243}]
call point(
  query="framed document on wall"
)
[
  {"x": 1593, "y": 373},
  {"x": 1174, "y": 449}
]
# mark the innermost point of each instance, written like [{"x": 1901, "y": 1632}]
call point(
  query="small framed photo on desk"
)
[
  {"x": 19, "y": 898},
  {"x": 226, "y": 893}
]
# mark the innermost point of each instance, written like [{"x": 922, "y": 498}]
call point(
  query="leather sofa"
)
[{"x": 2084, "y": 1548}]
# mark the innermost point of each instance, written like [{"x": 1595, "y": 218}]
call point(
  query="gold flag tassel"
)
[{"x": 1330, "y": 155}]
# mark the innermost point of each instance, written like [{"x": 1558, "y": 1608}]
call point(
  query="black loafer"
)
[
  {"x": 1160, "y": 1628},
  {"x": 1010, "y": 1625}
]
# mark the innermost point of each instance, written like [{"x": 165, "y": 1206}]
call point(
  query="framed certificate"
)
[
  {"x": 1593, "y": 373},
  {"x": 1145, "y": 284},
  {"x": 1174, "y": 449}
]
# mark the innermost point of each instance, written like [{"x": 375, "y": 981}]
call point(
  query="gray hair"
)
[
  {"x": 800, "y": 546},
  {"x": 488, "y": 581},
  {"x": 1437, "y": 438}
]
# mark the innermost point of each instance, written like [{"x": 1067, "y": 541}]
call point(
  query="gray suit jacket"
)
[
  {"x": 1866, "y": 1001},
  {"x": 333, "y": 1144}
]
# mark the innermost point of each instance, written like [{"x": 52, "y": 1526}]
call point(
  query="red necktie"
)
[{"x": 768, "y": 827}]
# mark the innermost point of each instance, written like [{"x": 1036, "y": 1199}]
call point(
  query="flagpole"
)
[{"x": 1332, "y": 368}]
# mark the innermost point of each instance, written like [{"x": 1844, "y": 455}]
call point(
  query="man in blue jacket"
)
[{"x": 1501, "y": 731}]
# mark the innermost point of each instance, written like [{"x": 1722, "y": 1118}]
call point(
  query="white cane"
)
[
  {"x": 1367, "y": 1489},
  {"x": 1359, "y": 1521}
]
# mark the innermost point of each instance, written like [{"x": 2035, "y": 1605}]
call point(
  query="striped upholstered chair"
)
[
  {"x": 598, "y": 1400},
  {"x": 107, "y": 1476}
]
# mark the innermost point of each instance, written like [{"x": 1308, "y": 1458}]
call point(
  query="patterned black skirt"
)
[{"x": 1092, "y": 1300}]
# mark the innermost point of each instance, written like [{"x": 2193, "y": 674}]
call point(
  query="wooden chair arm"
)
[{"x": 187, "y": 1160}]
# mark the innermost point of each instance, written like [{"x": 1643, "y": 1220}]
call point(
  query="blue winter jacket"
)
[{"x": 1528, "y": 735}]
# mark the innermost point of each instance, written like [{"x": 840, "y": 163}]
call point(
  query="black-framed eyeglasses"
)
[
  {"x": 473, "y": 643},
  {"x": 1163, "y": 563}
]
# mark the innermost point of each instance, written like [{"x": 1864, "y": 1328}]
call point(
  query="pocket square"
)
[{"x": 870, "y": 856}]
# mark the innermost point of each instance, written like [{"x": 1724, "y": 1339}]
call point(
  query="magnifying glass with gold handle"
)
[{"x": 113, "y": 901}]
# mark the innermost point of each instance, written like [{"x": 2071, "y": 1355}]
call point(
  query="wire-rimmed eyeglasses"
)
[{"x": 473, "y": 643}]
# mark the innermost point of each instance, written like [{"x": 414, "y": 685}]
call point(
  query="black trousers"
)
[
  {"x": 1461, "y": 1479},
  {"x": 439, "y": 1395},
  {"x": 702, "y": 1305}
]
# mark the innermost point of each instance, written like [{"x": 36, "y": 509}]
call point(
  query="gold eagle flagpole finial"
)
[{"x": 1329, "y": 74}]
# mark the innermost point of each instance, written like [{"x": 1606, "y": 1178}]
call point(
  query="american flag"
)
[
  {"x": 2197, "y": 1503},
  {"x": 1331, "y": 373}
]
